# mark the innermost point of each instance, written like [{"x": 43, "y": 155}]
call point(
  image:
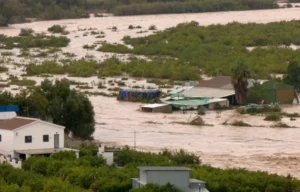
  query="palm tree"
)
[{"x": 239, "y": 80}]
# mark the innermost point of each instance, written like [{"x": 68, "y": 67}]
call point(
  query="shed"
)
[
  {"x": 176, "y": 176},
  {"x": 157, "y": 108},
  {"x": 274, "y": 91},
  {"x": 134, "y": 94},
  {"x": 192, "y": 103}
]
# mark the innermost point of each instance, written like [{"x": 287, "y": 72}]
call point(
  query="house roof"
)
[
  {"x": 274, "y": 85},
  {"x": 162, "y": 168},
  {"x": 15, "y": 123},
  {"x": 224, "y": 82},
  {"x": 217, "y": 82},
  {"x": 207, "y": 92},
  {"x": 20, "y": 122}
]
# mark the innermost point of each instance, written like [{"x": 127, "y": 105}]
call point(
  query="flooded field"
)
[
  {"x": 256, "y": 148},
  {"x": 260, "y": 147}
]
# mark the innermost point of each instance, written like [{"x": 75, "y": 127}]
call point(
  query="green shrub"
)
[
  {"x": 22, "y": 82},
  {"x": 280, "y": 125},
  {"x": 57, "y": 29},
  {"x": 3, "y": 69},
  {"x": 201, "y": 111},
  {"x": 263, "y": 109},
  {"x": 26, "y": 32},
  {"x": 39, "y": 40},
  {"x": 131, "y": 27},
  {"x": 114, "y": 48},
  {"x": 152, "y": 27},
  {"x": 273, "y": 117},
  {"x": 240, "y": 124}
]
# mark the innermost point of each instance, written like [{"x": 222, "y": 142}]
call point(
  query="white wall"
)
[
  {"x": 37, "y": 130},
  {"x": 179, "y": 179},
  {"x": 6, "y": 143},
  {"x": 109, "y": 157}
]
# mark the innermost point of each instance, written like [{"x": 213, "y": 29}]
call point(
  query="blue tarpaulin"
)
[
  {"x": 9, "y": 108},
  {"x": 129, "y": 95}
]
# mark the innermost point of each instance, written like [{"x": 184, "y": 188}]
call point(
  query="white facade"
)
[
  {"x": 6, "y": 143},
  {"x": 37, "y": 130},
  {"x": 22, "y": 137}
]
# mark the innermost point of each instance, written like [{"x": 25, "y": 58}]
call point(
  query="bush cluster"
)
[
  {"x": 39, "y": 40},
  {"x": 140, "y": 7},
  {"x": 215, "y": 48},
  {"x": 64, "y": 172}
]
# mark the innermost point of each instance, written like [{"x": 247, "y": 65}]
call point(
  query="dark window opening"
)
[
  {"x": 46, "y": 138},
  {"x": 28, "y": 139}
]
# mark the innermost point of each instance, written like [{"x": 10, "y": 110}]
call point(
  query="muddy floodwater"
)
[
  {"x": 275, "y": 150},
  {"x": 259, "y": 147}
]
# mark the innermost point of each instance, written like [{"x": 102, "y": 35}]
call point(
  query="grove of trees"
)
[
  {"x": 17, "y": 10},
  {"x": 292, "y": 76},
  {"x": 143, "y": 7},
  {"x": 58, "y": 102},
  {"x": 239, "y": 80},
  {"x": 64, "y": 173},
  {"x": 214, "y": 49}
]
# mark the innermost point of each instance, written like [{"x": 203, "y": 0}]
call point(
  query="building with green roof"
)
[{"x": 274, "y": 91}]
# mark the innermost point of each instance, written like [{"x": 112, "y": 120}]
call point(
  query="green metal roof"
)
[{"x": 275, "y": 85}]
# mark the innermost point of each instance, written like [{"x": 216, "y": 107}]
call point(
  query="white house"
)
[
  {"x": 176, "y": 176},
  {"x": 22, "y": 137}
]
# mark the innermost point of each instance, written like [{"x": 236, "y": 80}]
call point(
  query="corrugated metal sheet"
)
[
  {"x": 188, "y": 102},
  {"x": 224, "y": 82},
  {"x": 198, "y": 92}
]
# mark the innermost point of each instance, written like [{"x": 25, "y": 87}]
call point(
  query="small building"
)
[
  {"x": 189, "y": 103},
  {"x": 108, "y": 155},
  {"x": 176, "y": 176},
  {"x": 274, "y": 91},
  {"x": 157, "y": 108},
  {"x": 138, "y": 95},
  {"x": 218, "y": 87},
  {"x": 22, "y": 137}
]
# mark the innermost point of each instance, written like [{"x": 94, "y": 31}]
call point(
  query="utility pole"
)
[{"x": 134, "y": 140}]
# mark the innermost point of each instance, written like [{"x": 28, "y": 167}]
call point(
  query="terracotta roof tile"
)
[{"x": 15, "y": 123}]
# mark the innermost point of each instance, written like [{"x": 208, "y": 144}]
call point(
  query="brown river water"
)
[{"x": 276, "y": 150}]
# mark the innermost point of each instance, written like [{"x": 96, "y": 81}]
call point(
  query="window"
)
[
  {"x": 46, "y": 138},
  {"x": 28, "y": 139},
  {"x": 0, "y": 138}
]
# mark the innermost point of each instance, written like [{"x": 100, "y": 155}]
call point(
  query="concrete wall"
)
[
  {"x": 143, "y": 176},
  {"x": 109, "y": 157},
  {"x": 37, "y": 130},
  {"x": 6, "y": 143},
  {"x": 11, "y": 161},
  {"x": 211, "y": 106},
  {"x": 179, "y": 179},
  {"x": 163, "y": 109}
]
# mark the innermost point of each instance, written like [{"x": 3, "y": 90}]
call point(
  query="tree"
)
[
  {"x": 8, "y": 10},
  {"x": 293, "y": 74},
  {"x": 255, "y": 94},
  {"x": 239, "y": 80},
  {"x": 56, "y": 101}
]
